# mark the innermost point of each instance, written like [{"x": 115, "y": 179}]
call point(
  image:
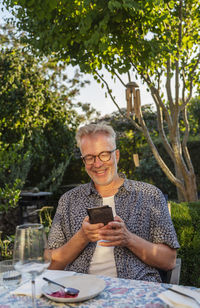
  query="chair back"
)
[{"x": 172, "y": 276}]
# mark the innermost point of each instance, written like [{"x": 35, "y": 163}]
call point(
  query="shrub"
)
[
  {"x": 6, "y": 246},
  {"x": 186, "y": 219}
]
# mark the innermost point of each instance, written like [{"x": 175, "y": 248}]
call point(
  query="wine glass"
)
[
  {"x": 28, "y": 255},
  {"x": 10, "y": 278}
]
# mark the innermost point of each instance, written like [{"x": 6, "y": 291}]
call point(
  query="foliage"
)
[
  {"x": 45, "y": 217},
  {"x": 9, "y": 196},
  {"x": 120, "y": 123},
  {"x": 7, "y": 241},
  {"x": 38, "y": 119},
  {"x": 106, "y": 32},
  {"x": 6, "y": 246},
  {"x": 150, "y": 172},
  {"x": 14, "y": 167},
  {"x": 15, "y": 161},
  {"x": 75, "y": 174},
  {"x": 130, "y": 141},
  {"x": 186, "y": 219},
  {"x": 156, "y": 40},
  {"x": 194, "y": 118}
]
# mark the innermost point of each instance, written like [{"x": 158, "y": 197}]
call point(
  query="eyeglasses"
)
[{"x": 103, "y": 156}]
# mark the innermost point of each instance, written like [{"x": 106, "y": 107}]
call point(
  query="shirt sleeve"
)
[
  {"x": 59, "y": 231},
  {"x": 162, "y": 229}
]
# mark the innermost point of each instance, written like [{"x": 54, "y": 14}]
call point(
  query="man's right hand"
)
[
  {"x": 91, "y": 230},
  {"x": 70, "y": 251}
]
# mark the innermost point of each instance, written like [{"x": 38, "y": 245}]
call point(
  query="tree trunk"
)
[
  {"x": 191, "y": 188},
  {"x": 185, "y": 182},
  {"x": 184, "y": 178},
  {"x": 180, "y": 195}
]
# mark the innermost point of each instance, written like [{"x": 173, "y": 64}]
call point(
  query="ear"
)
[{"x": 117, "y": 154}]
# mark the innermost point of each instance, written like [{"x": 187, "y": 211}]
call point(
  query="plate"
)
[{"x": 89, "y": 286}]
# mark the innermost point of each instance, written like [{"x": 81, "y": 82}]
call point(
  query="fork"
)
[
  {"x": 182, "y": 293},
  {"x": 70, "y": 291}
]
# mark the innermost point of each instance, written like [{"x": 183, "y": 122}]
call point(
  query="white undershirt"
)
[{"x": 103, "y": 262}]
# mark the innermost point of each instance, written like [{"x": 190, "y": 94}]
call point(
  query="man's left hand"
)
[{"x": 115, "y": 232}]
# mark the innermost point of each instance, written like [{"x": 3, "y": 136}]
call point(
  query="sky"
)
[{"x": 95, "y": 95}]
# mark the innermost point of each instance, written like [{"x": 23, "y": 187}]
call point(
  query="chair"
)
[{"x": 172, "y": 276}]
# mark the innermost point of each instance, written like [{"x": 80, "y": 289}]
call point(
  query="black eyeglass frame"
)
[{"x": 95, "y": 156}]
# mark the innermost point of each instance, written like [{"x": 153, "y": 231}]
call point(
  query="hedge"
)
[{"x": 186, "y": 219}]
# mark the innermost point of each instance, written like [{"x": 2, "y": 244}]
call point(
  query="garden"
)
[{"x": 40, "y": 113}]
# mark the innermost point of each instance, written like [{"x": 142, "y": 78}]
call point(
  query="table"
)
[{"x": 119, "y": 293}]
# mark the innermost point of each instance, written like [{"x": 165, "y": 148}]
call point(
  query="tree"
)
[
  {"x": 38, "y": 119},
  {"x": 194, "y": 110},
  {"x": 131, "y": 141},
  {"x": 156, "y": 40}
]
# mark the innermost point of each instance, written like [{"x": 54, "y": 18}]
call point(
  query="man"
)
[{"x": 141, "y": 238}]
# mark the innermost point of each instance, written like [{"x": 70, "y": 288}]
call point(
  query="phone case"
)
[{"x": 102, "y": 214}]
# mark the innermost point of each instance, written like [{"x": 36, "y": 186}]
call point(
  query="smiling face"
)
[{"x": 102, "y": 173}]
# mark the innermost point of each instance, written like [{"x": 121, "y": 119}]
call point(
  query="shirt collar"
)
[{"x": 90, "y": 189}]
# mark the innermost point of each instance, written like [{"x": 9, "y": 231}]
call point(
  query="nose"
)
[{"x": 97, "y": 162}]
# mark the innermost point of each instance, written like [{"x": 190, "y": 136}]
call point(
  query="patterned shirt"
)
[{"x": 143, "y": 209}]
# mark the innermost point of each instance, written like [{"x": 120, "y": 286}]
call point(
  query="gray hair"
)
[{"x": 91, "y": 129}]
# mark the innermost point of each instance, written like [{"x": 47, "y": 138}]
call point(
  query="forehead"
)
[{"x": 96, "y": 143}]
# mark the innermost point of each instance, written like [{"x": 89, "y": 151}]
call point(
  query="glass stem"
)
[{"x": 33, "y": 292}]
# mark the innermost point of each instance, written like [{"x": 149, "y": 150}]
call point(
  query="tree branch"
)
[
  {"x": 162, "y": 133},
  {"x": 157, "y": 156},
  {"x": 192, "y": 78},
  {"x": 177, "y": 55},
  {"x": 192, "y": 74},
  {"x": 114, "y": 101},
  {"x": 117, "y": 75},
  {"x": 160, "y": 106},
  {"x": 129, "y": 77},
  {"x": 158, "y": 101},
  {"x": 185, "y": 139},
  {"x": 168, "y": 85}
]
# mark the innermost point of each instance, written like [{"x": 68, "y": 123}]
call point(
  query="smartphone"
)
[{"x": 102, "y": 214}]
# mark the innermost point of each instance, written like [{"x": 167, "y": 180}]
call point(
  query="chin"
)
[{"x": 102, "y": 182}]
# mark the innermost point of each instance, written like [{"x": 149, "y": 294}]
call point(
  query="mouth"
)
[{"x": 99, "y": 172}]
